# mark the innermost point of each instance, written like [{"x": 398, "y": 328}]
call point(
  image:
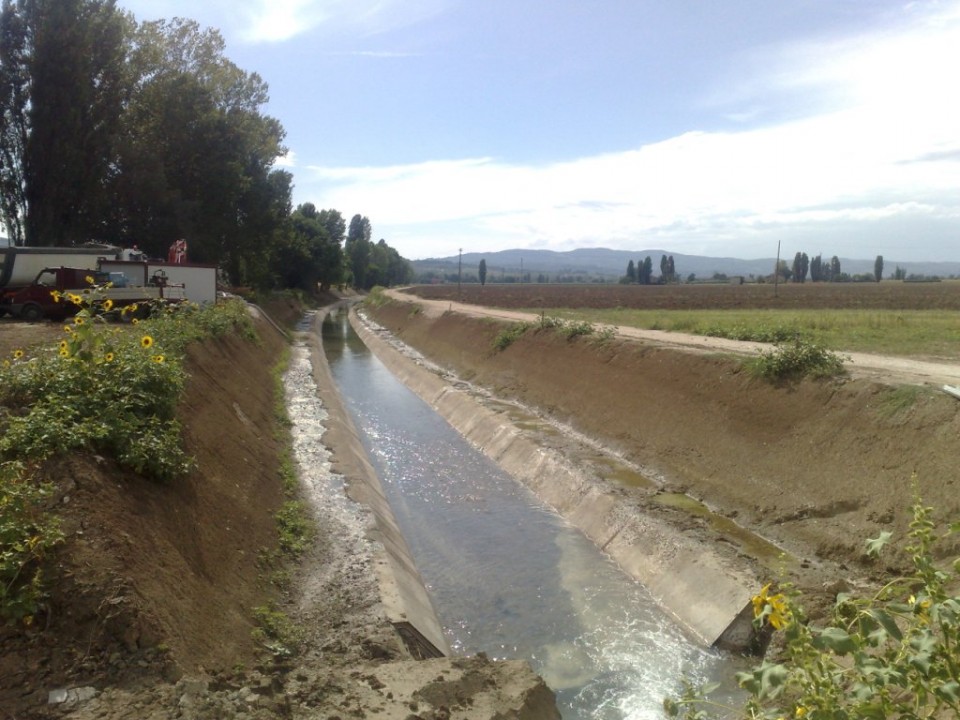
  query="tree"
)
[
  {"x": 835, "y": 268},
  {"x": 899, "y": 273},
  {"x": 483, "y": 272},
  {"x": 14, "y": 97},
  {"x": 816, "y": 269},
  {"x": 671, "y": 269},
  {"x": 878, "y": 268},
  {"x": 647, "y": 273},
  {"x": 64, "y": 82},
  {"x": 631, "y": 272},
  {"x": 357, "y": 249}
]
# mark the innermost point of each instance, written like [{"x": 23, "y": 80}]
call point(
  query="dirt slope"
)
[
  {"x": 152, "y": 594},
  {"x": 818, "y": 466},
  {"x": 161, "y": 576}
]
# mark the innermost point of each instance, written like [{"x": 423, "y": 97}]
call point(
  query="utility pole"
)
[
  {"x": 460, "y": 275},
  {"x": 776, "y": 273}
]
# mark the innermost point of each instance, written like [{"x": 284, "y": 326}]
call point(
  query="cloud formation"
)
[{"x": 879, "y": 144}]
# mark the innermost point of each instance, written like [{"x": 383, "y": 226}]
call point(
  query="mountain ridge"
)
[{"x": 609, "y": 264}]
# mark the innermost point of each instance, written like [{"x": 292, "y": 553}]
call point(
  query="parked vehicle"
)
[
  {"x": 19, "y": 265},
  {"x": 46, "y": 296}
]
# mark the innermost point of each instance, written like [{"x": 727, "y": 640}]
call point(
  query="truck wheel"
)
[{"x": 31, "y": 313}]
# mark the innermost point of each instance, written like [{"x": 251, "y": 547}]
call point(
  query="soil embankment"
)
[
  {"x": 818, "y": 467},
  {"x": 152, "y": 594}
]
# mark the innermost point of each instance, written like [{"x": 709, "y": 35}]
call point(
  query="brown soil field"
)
[
  {"x": 816, "y": 467},
  {"x": 887, "y": 295}
]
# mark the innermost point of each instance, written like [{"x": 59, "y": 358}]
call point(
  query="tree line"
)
[
  {"x": 642, "y": 272},
  {"x": 143, "y": 133}
]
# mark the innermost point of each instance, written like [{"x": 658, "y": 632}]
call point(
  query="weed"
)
[
  {"x": 27, "y": 534},
  {"x": 899, "y": 399},
  {"x": 795, "y": 360},
  {"x": 573, "y": 329},
  {"x": 294, "y": 528},
  {"x": 509, "y": 335},
  {"x": 275, "y": 631},
  {"x": 892, "y": 654},
  {"x": 376, "y": 297}
]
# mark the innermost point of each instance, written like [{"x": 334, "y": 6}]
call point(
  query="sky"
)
[{"x": 693, "y": 126}]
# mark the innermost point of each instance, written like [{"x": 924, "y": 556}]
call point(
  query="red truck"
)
[{"x": 39, "y": 299}]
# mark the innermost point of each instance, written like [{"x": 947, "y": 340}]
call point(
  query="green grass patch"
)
[
  {"x": 900, "y": 399},
  {"x": 933, "y": 333}
]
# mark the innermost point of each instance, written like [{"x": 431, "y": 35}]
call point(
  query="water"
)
[{"x": 507, "y": 575}]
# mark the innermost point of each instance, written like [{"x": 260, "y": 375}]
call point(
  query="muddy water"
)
[{"x": 507, "y": 575}]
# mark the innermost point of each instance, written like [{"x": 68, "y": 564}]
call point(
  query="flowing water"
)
[{"x": 507, "y": 575}]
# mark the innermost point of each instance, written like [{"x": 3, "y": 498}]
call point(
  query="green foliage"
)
[
  {"x": 795, "y": 360},
  {"x": 275, "y": 631},
  {"x": 295, "y": 528},
  {"x": 893, "y": 654},
  {"x": 509, "y": 335},
  {"x": 896, "y": 400},
  {"x": 751, "y": 333},
  {"x": 376, "y": 297},
  {"x": 112, "y": 390},
  {"x": 27, "y": 534}
]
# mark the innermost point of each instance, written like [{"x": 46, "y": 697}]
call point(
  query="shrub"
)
[
  {"x": 893, "y": 654},
  {"x": 797, "y": 359},
  {"x": 509, "y": 335}
]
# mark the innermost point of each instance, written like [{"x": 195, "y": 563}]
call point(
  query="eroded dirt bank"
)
[
  {"x": 153, "y": 593},
  {"x": 816, "y": 467}
]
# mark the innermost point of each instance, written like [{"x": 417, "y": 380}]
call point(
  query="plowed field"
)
[{"x": 887, "y": 295}]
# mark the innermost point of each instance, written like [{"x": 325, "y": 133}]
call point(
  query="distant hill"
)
[{"x": 610, "y": 265}]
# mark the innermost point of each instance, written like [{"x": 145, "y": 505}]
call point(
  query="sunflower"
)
[
  {"x": 108, "y": 357},
  {"x": 17, "y": 354},
  {"x": 158, "y": 359},
  {"x": 89, "y": 279},
  {"x": 56, "y": 295},
  {"x": 107, "y": 305},
  {"x": 146, "y": 342},
  {"x": 78, "y": 321}
]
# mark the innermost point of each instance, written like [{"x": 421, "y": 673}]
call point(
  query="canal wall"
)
[
  {"x": 406, "y": 602},
  {"x": 707, "y": 593}
]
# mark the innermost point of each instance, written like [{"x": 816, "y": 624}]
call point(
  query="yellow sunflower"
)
[
  {"x": 146, "y": 342},
  {"x": 158, "y": 359}
]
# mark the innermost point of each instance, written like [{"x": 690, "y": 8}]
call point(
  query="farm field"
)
[{"x": 909, "y": 319}]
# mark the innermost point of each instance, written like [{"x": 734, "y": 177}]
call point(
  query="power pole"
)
[{"x": 776, "y": 273}]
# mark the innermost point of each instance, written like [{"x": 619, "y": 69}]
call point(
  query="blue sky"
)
[{"x": 694, "y": 126}]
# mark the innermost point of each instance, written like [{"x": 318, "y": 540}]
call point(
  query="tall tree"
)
[
  {"x": 482, "y": 271},
  {"x": 358, "y": 249},
  {"x": 631, "y": 272},
  {"x": 64, "y": 85},
  {"x": 14, "y": 99},
  {"x": 647, "y": 275},
  {"x": 834, "y": 268},
  {"x": 816, "y": 269},
  {"x": 878, "y": 268}
]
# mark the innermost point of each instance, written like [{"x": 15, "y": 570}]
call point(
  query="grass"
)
[{"x": 931, "y": 333}]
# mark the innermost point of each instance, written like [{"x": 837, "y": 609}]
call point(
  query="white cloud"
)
[{"x": 880, "y": 144}]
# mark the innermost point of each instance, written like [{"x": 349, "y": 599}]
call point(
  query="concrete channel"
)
[{"x": 707, "y": 593}]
